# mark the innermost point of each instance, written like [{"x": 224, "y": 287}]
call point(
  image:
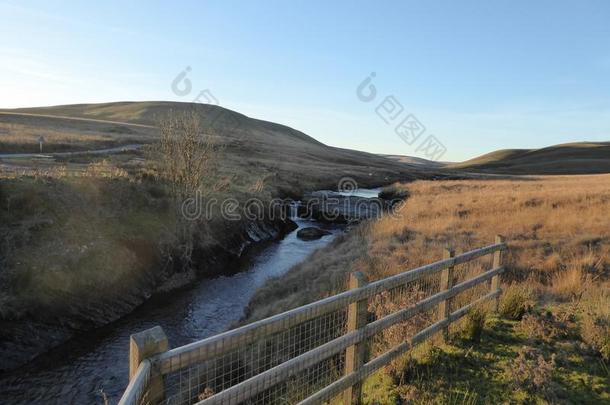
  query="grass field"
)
[{"x": 551, "y": 343}]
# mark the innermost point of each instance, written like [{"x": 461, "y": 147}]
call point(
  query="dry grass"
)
[
  {"x": 558, "y": 230},
  {"x": 516, "y": 301},
  {"x": 557, "y": 227},
  {"x": 22, "y": 136}
]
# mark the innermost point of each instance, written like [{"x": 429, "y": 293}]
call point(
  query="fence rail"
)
[{"x": 316, "y": 352}]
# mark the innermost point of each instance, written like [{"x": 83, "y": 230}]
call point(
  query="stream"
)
[{"x": 89, "y": 367}]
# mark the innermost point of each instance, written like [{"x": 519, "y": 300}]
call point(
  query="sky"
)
[{"x": 477, "y": 76}]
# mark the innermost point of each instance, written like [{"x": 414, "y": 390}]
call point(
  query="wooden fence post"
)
[
  {"x": 495, "y": 281},
  {"x": 444, "y": 307},
  {"x": 354, "y": 355},
  {"x": 143, "y": 345}
]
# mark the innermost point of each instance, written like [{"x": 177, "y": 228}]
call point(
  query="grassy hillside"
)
[
  {"x": 252, "y": 147},
  {"x": 572, "y": 158},
  {"x": 416, "y": 161}
]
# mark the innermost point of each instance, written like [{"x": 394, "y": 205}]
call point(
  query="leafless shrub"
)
[
  {"x": 544, "y": 328},
  {"x": 186, "y": 153},
  {"x": 595, "y": 327},
  {"x": 531, "y": 371},
  {"x": 186, "y": 156}
]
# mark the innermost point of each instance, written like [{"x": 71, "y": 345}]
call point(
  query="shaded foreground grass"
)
[
  {"x": 551, "y": 344},
  {"x": 490, "y": 371}
]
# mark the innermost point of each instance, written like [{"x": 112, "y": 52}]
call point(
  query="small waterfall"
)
[{"x": 294, "y": 210}]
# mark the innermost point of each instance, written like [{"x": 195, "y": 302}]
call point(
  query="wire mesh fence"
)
[
  {"x": 462, "y": 273},
  {"x": 201, "y": 381},
  {"x": 309, "y": 354}
]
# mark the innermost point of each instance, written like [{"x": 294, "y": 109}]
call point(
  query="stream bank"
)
[
  {"x": 93, "y": 365},
  {"x": 24, "y": 338}
]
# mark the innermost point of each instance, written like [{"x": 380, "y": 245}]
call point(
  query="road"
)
[{"x": 107, "y": 151}]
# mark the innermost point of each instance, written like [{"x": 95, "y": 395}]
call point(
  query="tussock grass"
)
[{"x": 516, "y": 301}]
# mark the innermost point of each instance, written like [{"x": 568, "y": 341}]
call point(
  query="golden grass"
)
[{"x": 558, "y": 228}]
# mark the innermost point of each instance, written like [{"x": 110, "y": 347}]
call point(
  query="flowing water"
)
[{"x": 80, "y": 370}]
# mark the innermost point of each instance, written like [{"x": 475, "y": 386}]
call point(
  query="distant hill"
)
[
  {"x": 413, "y": 160},
  {"x": 252, "y": 140},
  {"x": 250, "y": 145},
  {"x": 570, "y": 158}
]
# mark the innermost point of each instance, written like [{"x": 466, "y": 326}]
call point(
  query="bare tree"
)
[{"x": 186, "y": 155}]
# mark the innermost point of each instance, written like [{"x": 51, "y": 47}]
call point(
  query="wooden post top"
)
[
  {"x": 357, "y": 279},
  {"x": 145, "y": 344},
  {"x": 149, "y": 337}
]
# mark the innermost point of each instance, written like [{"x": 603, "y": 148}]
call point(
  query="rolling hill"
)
[
  {"x": 413, "y": 160},
  {"x": 252, "y": 142},
  {"x": 252, "y": 148},
  {"x": 570, "y": 158}
]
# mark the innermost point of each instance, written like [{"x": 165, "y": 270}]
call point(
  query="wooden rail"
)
[{"x": 351, "y": 342}]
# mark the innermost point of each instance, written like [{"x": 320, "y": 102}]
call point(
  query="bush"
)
[
  {"x": 531, "y": 371},
  {"x": 595, "y": 327},
  {"x": 516, "y": 301},
  {"x": 544, "y": 328},
  {"x": 596, "y": 334},
  {"x": 475, "y": 323}
]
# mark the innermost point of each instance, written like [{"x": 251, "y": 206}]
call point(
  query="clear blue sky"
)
[{"x": 479, "y": 75}]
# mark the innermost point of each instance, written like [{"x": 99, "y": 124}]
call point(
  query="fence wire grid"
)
[{"x": 192, "y": 381}]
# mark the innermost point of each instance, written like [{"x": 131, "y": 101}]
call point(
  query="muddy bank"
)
[{"x": 39, "y": 329}]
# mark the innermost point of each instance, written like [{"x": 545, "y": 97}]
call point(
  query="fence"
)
[{"x": 320, "y": 352}]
